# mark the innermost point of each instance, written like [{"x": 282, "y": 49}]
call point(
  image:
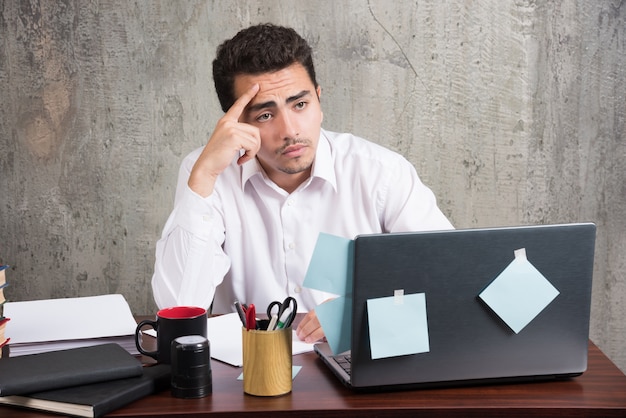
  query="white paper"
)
[
  {"x": 56, "y": 324},
  {"x": 224, "y": 334},
  {"x": 69, "y": 319}
]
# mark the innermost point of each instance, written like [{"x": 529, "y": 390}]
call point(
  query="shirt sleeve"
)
[
  {"x": 190, "y": 262},
  {"x": 407, "y": 204}
]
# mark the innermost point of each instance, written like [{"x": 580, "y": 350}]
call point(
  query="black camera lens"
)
[{"x": 191, "y": 367}]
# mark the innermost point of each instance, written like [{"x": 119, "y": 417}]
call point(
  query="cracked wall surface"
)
[{"x": 513, "y": 112}]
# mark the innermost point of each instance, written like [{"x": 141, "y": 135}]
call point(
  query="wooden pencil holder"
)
[{"x": 267, "y": 362}]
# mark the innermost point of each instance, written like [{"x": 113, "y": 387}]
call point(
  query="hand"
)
[
  {"x": 309, "y": 330},
  {"x": 228, "y": 139}
]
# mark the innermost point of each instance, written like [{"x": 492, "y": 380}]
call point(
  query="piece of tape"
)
[{"x": 398, "y": 297}]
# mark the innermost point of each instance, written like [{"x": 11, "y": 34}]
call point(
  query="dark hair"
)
[{"x": 256, "y": 50}]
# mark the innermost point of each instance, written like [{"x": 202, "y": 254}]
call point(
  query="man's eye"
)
[
  {"x": 264, "y": 117},
  {"x": 300, "y": 105}
]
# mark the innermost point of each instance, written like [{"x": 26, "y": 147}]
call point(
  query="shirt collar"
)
[
  {"x": 250, "y": 169},
  {"x": 323, "y": 167}
]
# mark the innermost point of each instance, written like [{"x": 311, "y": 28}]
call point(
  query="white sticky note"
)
[
  {"x": 519, "y": 293},
  {"x": 398, "y": 325}
]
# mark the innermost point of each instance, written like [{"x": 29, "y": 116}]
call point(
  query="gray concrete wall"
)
[{"x": 512, "y": 111}]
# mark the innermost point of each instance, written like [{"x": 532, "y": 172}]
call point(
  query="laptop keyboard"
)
[{"x": 345, "y": 361}]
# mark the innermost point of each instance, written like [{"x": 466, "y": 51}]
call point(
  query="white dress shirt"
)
[{"x": 252, "y": 241}]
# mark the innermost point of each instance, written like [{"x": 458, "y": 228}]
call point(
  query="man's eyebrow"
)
[
  {"x": 298, "y": 96},
  {"x": 271, "y": 103}
]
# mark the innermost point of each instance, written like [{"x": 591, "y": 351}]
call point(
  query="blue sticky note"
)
[
  {"x": 331, "y": 266},
  {"x": 519, "y": 293},
  {"x": 398, "y": 325},
  {"x": 294, "y": 372},
  {"x": 335, "y": 317}
]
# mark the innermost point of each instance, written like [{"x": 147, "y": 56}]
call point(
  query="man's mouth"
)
[{"x": 294, "y": 150}]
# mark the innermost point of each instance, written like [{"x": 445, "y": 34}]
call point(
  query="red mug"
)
[{"x": 171, "y": 323}]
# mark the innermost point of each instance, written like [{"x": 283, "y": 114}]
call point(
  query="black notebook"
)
[
  {"x": 59, "y": 369},
  {"x": 97, "y": 399}
]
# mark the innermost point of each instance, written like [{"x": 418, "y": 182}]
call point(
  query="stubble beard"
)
[{"x": 302, "y": 165}]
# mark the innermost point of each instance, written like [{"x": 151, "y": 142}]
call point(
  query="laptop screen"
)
[{"x": 468, "y": 336}]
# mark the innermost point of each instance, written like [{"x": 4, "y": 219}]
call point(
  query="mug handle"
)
[{"x": 153, "y": 324}]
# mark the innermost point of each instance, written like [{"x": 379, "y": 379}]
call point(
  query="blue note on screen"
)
[
  {"x": 519, "y": 293},
  {"x": 398, "y": 325}
]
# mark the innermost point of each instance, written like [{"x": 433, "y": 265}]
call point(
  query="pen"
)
[
  {"x": 284, "y": 318},
  {"x": 273, "y": 322},
  {"x": 242, "y": 315},
  {"x": 251, "y": 317}
]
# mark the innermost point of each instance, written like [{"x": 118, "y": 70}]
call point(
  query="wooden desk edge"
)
[{"x": 600, "y": 391}]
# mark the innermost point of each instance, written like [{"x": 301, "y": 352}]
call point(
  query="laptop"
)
[{"x": 471, "y": 341}]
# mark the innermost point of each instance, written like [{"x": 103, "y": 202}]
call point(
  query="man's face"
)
[{"x": 287, "y": 112}]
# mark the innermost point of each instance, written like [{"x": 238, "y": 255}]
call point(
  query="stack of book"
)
[
  {"x": 75, "y": 356},
  {"x": 86, "y": 381},
  {"x": 3, "y": 319},
  {"x": 57, "y": 324}
]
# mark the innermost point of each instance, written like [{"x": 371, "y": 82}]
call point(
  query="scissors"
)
[{"x": 286, "y": 312}]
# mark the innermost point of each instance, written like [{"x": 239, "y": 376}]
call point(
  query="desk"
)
[{"x": 600, "y": 391}]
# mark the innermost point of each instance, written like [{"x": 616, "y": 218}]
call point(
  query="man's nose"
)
[{"x": 288, "y": 126}]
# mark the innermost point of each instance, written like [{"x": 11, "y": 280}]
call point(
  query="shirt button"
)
[
  {"x": 297, "y": 289},
  {"x": 292, "y": 246}
]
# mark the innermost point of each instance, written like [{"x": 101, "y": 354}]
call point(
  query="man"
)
[{"x": 250, "y": 205}]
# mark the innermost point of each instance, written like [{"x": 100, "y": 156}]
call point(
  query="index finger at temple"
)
[{"x": 237, "y": 109}]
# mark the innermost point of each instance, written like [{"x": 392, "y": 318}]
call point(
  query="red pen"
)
[{"x": 251, "y": 317}]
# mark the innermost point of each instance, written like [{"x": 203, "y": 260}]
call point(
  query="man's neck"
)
[{"x": 290, "y": 182}]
